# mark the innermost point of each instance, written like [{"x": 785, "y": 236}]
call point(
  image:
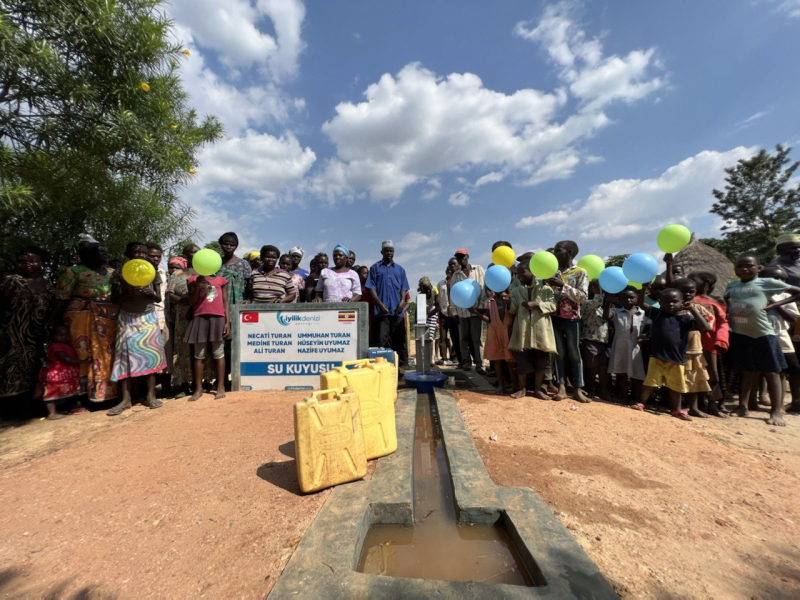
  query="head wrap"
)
[
  {"x": 297, "y": 250},
  {"x": 387, "y": 244},
  {"x": 251, "y": 255},
  {"x": 787, "y": 238},
  {"x": 424, "y": 281},
  {"x": 178, "y": 261},
  {"x": 342, "y": 248}
]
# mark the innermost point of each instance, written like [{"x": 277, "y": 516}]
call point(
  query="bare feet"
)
[
  {"x": 561, "y": 393},
  {"x": 776, "y": 419},
  {"x": 220, "y": 394},
  {"x": 541, "y": 395},
  {"x": 519, "y": 393},
  {"x": 56, "y": 417},
  {"x": 196, "y": 396},
  {"x": 581, "y": 397},
  {"x": 713, "y": 410},
  {"x": 698, "y": 413},
  {"x": 741, "y": 411}
]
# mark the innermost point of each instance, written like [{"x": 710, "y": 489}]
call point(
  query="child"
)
[
  {"x": 209, "y": 325},
  {"x": 285, "y": 263},
  {"x": 626, "y": 357},
  {"x": 60, "y": 377},
  {"x": 669, "y": 338},
  {"x": 783, "y": 319},
  {"x": 496, "y": 349},
  {"x": 532, "y": 338},
  {"x": 594, "y": 342},
  {"x": 695, "y": 368},
  {"x": 714, "y": 342},
  {"x": 754, "y": 346},
  {"x": 139, "y": 350}
]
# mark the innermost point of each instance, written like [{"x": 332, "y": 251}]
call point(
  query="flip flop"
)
[
  {"x": 682, "y": 415},
  {"x": 117, "y": 410},
  {"x": 638, "y": 406}
]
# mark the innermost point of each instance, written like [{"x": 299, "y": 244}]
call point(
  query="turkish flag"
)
[{"x": 250, "y": 317}]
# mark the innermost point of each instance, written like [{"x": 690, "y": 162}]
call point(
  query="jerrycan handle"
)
[
  {"x": 360, "y": 361},
  {"x": 328, "y": 394}
]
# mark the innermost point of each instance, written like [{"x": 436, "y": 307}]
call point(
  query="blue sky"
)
[{"x": 449, "y": 124}]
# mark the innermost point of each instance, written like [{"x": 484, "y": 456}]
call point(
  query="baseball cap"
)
[{"x": 461, "y": 251}]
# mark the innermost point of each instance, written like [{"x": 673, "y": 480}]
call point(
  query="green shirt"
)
[
  {"x": 533, "y": 329},
  {"x": 747, "y": 301}
]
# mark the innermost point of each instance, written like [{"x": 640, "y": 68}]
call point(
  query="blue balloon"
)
[
  {"x": 613, "y": 280},
  {"x": 463, "y": 294},
  {"x": 498, "y": 278},
  {"x": 640, "y": 268}
]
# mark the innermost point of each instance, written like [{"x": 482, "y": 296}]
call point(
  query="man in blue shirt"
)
[{"x": 388, "y": 285}]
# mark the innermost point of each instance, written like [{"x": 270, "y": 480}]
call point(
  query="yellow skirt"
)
[{"x": 696, "y": 374}]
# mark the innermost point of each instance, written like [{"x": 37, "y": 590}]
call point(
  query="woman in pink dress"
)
[{"x": 340, "y": 284}]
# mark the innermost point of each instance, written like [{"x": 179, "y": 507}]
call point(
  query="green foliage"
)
[
  {"x": 757, "y": 205},
  {"x": 616, "y": 260},
  {"x": 215, "y": 246},
  {"x": 97, "y": 135}
]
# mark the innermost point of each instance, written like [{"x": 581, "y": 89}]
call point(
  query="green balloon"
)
[
  {"x": 544, "y": 264},
  {"x": 593, "y": 265},
  {"x": 673, "y": 238},
  {"x": 206, "y": 262}
]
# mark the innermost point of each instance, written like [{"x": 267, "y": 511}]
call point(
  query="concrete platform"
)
[{"x": 324, "y": 564}]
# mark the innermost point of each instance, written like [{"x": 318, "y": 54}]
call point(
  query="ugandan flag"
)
[{"x": 347, "y": 316}]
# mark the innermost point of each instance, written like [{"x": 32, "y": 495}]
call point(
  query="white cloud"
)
[
  {"x": 790, "y": 8},
  {"x": 592, "y": 78},
  {"x": 624, "y": 215},
  {"x": 458, "y": 199},
  {"x": 559, "y": 165},
  {"x": 234, "y": 28},
  {"x": 548, "y": 218},
  {"x": 257, "y": 164},
  {"x": 492, "y": 177},
  {"x": 749, "y": 120},
  {"x": 592, "y": 159},
  {"x": 417, "y": 124}
]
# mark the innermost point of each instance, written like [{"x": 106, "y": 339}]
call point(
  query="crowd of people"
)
[
  {"x": 91, "y": 335},
  {"x": 565, "y": 337}
]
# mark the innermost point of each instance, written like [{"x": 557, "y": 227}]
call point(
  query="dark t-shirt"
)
[
  {"x": 139, "y": 305},
  {"x": 670, "y": 334}
]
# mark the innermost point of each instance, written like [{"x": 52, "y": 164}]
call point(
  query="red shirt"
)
[
  {"x": 716, "y": 340},
  {"x": 211, "y": 303},
  {"x": 57, "y": 371}
]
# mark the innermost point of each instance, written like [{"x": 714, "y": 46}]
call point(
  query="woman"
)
[
  {"x": 286, "y": 264},
  {"x": 26, "y": 301},
  {"x": 85, "y": 289},
  {"x": 237, "y": 272},
  {"x": 318, "y": 264},
  {"x": 340, "y": 284},
  {"x": 270, "y": 283},
  {"x": 139, "y": 350},
  {"x": 178, "y": 291}
]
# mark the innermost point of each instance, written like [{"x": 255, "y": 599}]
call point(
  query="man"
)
[
  {"x": 451, "y": 320},
  {"x": 444, "y": 311},
  {"x": 351, "y": 259},
  {"x": 154, "y": 255},
  {"x": 788, "y": 248},
  {"x": 571, "y": 286},
  {"x": 388, "y": 285},
  {"x": 470, "y": 325}
]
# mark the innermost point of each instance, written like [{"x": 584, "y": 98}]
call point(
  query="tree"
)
[
  {"x": 616, "y": 260},
  {"x": 97, "y": 134},
  {"x": 757, "y": 204},
  {"x": 215, "y": 246}
]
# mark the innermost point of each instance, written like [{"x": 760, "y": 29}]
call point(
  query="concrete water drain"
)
[{"x": 415, "y": 532}]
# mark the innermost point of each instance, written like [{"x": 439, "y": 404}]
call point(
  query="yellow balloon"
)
[
  {"x": 138, "y": 272},
  {"x": 503, "y": 255}
]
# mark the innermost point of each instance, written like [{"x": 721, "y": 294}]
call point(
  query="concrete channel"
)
[{"x": 326, "y": 563}]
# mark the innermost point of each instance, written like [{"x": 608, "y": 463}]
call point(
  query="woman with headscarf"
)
[
  {"x": 340, "y": 284},
  {"x": 85, "y": 289},
  {"x": 178, "y": 291},
  {"x": 271, "y": 283},
  {"x": 254, "y": 258},
  {"x": 285, "y": 263},
  {"x": 26, "y": 301}
]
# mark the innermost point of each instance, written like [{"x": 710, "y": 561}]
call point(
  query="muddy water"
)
[{"x": 437, "y": 547}]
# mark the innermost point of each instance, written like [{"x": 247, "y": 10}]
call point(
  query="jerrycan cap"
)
[
  {"x": 348, "y": 389},
  {"x": 380, "y": 359}
]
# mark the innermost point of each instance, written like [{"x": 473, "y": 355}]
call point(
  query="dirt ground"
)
[
  {"x": 667, "y": 509},
  {"x": 190, "y": 500}
]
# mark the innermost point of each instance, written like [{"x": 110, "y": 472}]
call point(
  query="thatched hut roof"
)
[{"x": 699, "y": 257}]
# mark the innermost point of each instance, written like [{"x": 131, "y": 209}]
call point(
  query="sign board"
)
[{"x": 288, "y": 346}]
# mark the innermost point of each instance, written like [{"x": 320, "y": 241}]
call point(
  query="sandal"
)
[
  {"x": 638, "y": 406},
  {"x": 117, "y": 410},
  {"x": 682, "y": 415}
]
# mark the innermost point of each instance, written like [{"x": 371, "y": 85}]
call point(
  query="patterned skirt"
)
[
  {"x": 93, "y": 330},
  {"x": 140, "y": 348}
]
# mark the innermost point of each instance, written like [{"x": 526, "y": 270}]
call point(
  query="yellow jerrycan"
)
[
  {"x": 329, "y": 439},
  {"x": 373, "y": 381}
]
